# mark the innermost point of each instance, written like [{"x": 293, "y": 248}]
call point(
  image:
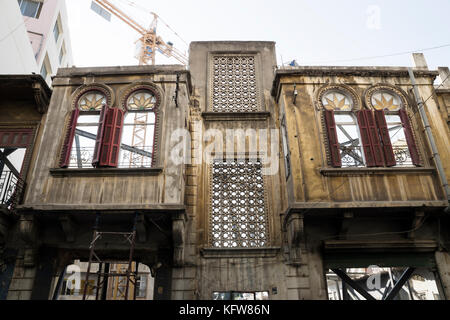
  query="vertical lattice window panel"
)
[
  {"x": 234, "y": 84},
  {"x": 238, "y": 204}
]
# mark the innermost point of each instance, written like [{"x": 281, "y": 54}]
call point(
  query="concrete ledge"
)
[
  {"x": 236, "y": 116},
  {"x": 381, "y": 246},
  {"x": 365, "y": 71},
  {"x": 337, "y": 172},
  {"x": 442, "y": 90},
  {"x": 109, "y": 207},
  {"x": 121, "y": 70},
  {"x": 366, "y": 204},
  {"x": 269, "y": 252},
  {"x": 104, "y": 172}
]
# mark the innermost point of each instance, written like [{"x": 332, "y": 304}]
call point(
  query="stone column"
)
[{"x": 443, "y": 264}]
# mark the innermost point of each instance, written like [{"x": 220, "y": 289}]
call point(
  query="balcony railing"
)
[
  {"x": 402, "y": 156},
  {"x": 11, "y": 189},
  {"x": 353, "y": 157},
  {"x": 129, "y": 157}
]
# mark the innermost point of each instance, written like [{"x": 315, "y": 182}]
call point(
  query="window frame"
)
[
  {"x": 328, "y": 112},
  {"x": 403, "y": 112},
  {"x": 62, "y": 53},
  {"x": 37, "y": 12},
  {"x": 352, "y": 114},
  {"x": 153, "y": 110},
  {"x": 57, "y": 27},
  {"x": 158, "y": 111},
  {"x": 285, "y": 146},
  {"x": 81, "y": 113},
  {"x": 72, "y": 120},
  {"x": 102, "y": 168},
  {"x": 374, "y": 137}
]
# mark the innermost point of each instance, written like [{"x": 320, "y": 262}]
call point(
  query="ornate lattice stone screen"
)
[
  {"x": 234, "y": 83},
  {"x": 238, "y": 204}
]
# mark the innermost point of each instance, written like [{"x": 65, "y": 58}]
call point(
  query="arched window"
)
[
  {"x": 378, "y": 136},
  {"x": 399, "y": 146},
  {"x": 342, "y": 126},
  {"x": 139, "y": 130},
  {"x": 85, "y": 127},
  {"x": 93, "y": 136}
]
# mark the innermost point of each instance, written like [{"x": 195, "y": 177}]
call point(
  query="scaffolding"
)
[{"x": 125, "y": 274}]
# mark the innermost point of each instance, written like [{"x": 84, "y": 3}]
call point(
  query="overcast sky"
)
[{"x": 321, "y": 32}]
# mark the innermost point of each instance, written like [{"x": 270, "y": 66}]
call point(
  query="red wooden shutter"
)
[
  {"x": 332, "y": 139},
  {"x": 385, "y": 138},
  {"x": 413, "y": 151},
  {"x": 370, "y": 140},
  {"x": 99, "y": 139},
  {"x": 375, "y": 139},
  {"x": 109, "y": 155},
  {"x": 67, "y": 146}
]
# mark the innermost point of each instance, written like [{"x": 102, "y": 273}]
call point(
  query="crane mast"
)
[{"x": 150, "y": 42}]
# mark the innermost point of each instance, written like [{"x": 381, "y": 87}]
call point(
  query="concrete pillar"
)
[
  {"x": 419, "y": 61},
  {"x": 443, "y": 264},
  {"x": 163, "y": 277},
  {"x": 7, "y": 265},
  {"x": 22, "y": 280},
  {"x": 45, "y": 271},
  {"x": 444, "y": 74}
]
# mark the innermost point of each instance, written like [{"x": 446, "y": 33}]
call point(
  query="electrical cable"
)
[
  {"x": 384, "y": 56},
  {"x": 137, "y": 6},
  {"x": 437, "y": 88}
]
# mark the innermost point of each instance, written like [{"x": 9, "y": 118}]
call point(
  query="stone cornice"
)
[
  {"x": 39, "y": 88},
  {"x": 347, "y": 71}
]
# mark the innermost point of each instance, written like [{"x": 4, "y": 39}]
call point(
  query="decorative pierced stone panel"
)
[
  {"x": 234, "y": 83},
  {"x": 238, "y": 204}
]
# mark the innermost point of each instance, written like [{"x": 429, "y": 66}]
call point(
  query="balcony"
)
[
  {"x": 11, "y": 190},
  {"x": 129, "y": 157}
]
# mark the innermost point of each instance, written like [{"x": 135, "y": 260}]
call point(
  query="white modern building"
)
[{"x": 34, "y": 37}]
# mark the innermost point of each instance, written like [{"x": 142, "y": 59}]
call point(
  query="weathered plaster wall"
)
[
  {"x": 164, "y": 188},
  {"x": 305, "y": 125}
]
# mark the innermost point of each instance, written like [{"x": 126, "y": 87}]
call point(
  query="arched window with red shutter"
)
[
  {"x": 344, "y": 141},
  {"x": 399, "y": 146},
  {"x": 82, "y": 147},
  {"x": 138, "y": 136}
]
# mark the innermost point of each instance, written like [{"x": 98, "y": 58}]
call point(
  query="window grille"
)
[
  {"x": 234, "y": 84},
  {"x": 239, "y": 215}
]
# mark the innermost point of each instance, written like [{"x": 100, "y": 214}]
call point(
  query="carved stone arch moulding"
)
[
  {"x": 341, "y": 88},
  {"x": 136, "y": 86},
  {"x": 80, "y": 91},
  {"x": 388, "y": 88}
]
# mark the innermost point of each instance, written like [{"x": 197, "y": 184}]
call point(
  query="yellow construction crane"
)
[{"x": 150, "y": 42}]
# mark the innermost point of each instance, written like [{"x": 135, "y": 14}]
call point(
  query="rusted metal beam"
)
[
  {"x": 398, "y": 286},
  {"x": 353, "y": 284}
]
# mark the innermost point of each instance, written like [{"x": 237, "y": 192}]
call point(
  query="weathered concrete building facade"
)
[
  {"x": 242, "y": 180},
  {"x": 363, "y": 189}
]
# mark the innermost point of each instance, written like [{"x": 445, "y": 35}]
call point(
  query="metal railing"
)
[
  {"x": 402, "y": 156},
  {"x": 129, "y": 157},
  {"x": 351, "y": 156},
  {"x": 11, "y": 189}
]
